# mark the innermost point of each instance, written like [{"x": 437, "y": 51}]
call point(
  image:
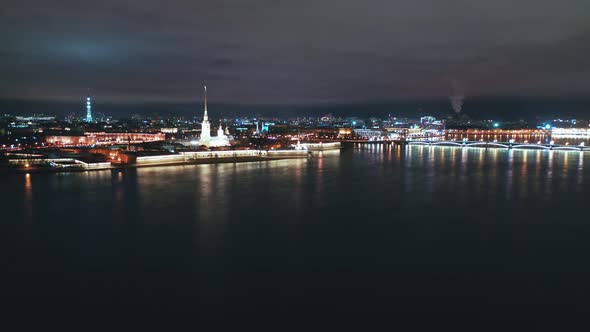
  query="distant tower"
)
[
  {"x": 88, "y": 108},
  {"x": 205, "y": 125}
]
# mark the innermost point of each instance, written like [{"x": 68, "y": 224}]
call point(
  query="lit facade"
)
[
  {"x": 102, "y": 138},
  {"x": 69, "y": 140},
  {"x": 130, "y": 138}
]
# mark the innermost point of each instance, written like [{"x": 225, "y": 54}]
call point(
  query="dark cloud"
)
[{"x": 264, "y": 51}]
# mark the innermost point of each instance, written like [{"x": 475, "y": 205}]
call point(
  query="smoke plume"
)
[{"x": 457, "y": 98}]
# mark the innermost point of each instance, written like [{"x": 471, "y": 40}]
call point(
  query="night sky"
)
[{"x": 304, "y": 51}]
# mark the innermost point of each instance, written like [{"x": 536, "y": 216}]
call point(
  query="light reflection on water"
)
[
  {"x": 216, "y": 188},
  {"x": 531, "y": 169}
]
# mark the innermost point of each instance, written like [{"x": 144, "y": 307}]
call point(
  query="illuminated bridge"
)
[{"x": 504, "y": 145}]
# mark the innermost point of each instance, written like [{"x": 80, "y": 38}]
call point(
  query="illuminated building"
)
[
  {"x": 35, "y": 118},
  {"x": 69, "y": 140},
  {"x": 368, "y": 133},
  {"x": 130, "y": 138},
  {"x": 102, "y": 138},
  {"x": 427, "y": 120},
  {"x": 344, "y": 132},
  {"x": 169, "y": 130},
  {"x": 570, "y": 132},
  {"x": 206, "y": 139}
]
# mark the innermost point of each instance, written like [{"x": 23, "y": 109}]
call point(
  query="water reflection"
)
[
  {"x": 521, "y": 173},
  {"x": 28, "y": 201},
  {"x": 28, "y": 187},
  {"x": 509, "y": 173},
  {"x": 565, "y": 163},
  {"x": 580, "y": 169},
  {"x": 464, "y": 160}
]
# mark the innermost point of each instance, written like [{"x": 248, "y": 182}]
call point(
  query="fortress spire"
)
[
  {"x": 205, "y": 116},
  {"x": 205, "y": 125}
]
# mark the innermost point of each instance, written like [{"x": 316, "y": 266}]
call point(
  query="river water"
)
[{"x": 370, "y": 236}]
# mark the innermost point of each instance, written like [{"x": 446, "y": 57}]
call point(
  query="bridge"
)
[
  {"x": 502, "y": 145},
  {"x": 470, "y": 144}
]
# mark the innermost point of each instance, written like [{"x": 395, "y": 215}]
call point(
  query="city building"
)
[
  {"x": 102, "y": 138},
  {"x": 69, "y": 140},
  {"x": 371, "y": 134},
  {"x": 35, "y": 118}
]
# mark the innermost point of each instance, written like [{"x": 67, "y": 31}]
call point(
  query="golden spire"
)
[{"x": 205, "y": 117}]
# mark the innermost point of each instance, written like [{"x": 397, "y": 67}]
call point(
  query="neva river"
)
[{"x": 362, "y": 237}]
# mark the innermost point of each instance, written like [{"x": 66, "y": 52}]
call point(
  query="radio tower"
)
[{"x": 88, "y": 108}]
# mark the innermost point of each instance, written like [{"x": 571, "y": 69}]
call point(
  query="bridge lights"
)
[{"x": 511, "y": 140}]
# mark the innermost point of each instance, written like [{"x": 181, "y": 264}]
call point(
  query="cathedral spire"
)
[
  {"x": 205, "y": 125},
  {"x": 205, "y": 116}
]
